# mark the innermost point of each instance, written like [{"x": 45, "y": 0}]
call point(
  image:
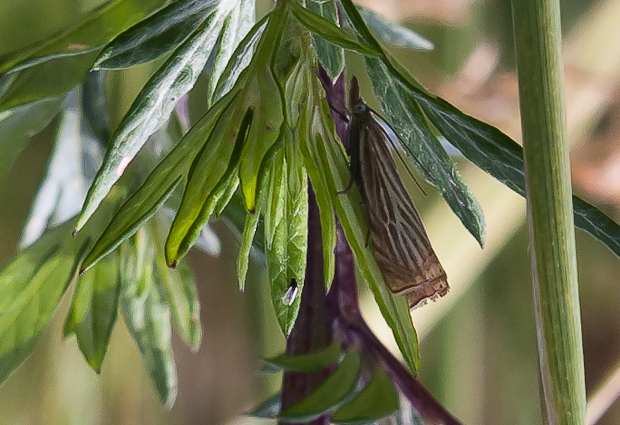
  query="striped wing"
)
[{"x": 402, "y": 248}]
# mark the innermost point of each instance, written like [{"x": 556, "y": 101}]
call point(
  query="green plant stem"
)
[{"x": 550, "y": 217}]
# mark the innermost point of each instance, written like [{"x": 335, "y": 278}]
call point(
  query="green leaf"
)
[
  {"x": 329, "y": 31},
  {"x": 424, "y": 148},
  {"x": 297, "y": 216},
  {"x": 249, "y": 230},
  {"x": 93, "y": 310},
  {"x": 156, "y": 35},
  {"x": 269, "y": 408},
  {"x": 393, "y": 33},
  {"x": 95, "y": 30},
  {"x": 157, "y": 187},
  {"x": 266, "y": 129},
  {"x": 148, "y": 319},
  {"x": 178, "y": 289},
  {"x": 32, "y": 285},
  {"x": 277, "y": 195},
  {"x": 306, "y": 362},
  {"x": 150, "y": 110},
  {"x": 331, "y": 56},
  {"x": 240, "y": 58},
  {"x": 210, "y": 177},
  {"x": 235, "y": 29},
  {"x": 377, "y": 400},
  {"x": 327, "y": 152},
  {"x": 328, "y": 396},
  {"x": 20, "y": 124}
]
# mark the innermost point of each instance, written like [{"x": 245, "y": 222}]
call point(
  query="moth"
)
[{"x": 403, "y": 251}]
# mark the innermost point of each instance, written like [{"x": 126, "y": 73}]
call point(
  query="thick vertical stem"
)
[{"x": 550, "y": 216}]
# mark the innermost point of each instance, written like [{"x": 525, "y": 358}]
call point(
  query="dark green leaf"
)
[
  {"x": 330, "y": 395},
  {"x": 423, "y": 147},
  {"x": 374, "y": 402},
  {"x": 307, "y": 362},
  {"x": 249, "y": 230},
  {"x": 19, "y": 125},
  {"x": 157, "y": 188},
  {"x": 393, "y": 33},
  {"x": 150, "y": 110},
  {"x": 156, "y": 35},
  {"x": 330, "y": 32},
  {"x": 331, "y": 56},
  {"x": 148, "y": 319},
  {"x": 96, "y": 29},
  {"x": 94, "y": 107},
  {"x": 93, "y": 310}
]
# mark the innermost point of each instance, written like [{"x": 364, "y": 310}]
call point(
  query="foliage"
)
[{"x": 267, "y": 132}]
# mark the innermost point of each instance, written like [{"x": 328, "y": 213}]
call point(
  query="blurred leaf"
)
[
  {"x": 64, "y": 186},
  {"x": 306, "y": 362},
  {"x": 331, "y": 57},
  {"x": 20, "y": 124},
  {"x": 32, "y": 285},
  {"x": 93, "y": 310},
  {"x": 96, "y": 29},
  {"x": 328, "y": 396},
  {"x": 377, "y": 400},
  {"x": 324, "y": 150},
  {"x": 269, "y": 408},
  {"x": 152, "y": 108},
  {"x": 329, "y": 31},
  {"x": 234, "y": 30},
  {"x": 157, "y": 187},
  {"x": 49, "y": 79},
  {"x": 180, "y": 293},
  {"x": 156, "y": 35},
  {"x": 393, "y": 33},
  {"x": 424, "y": 148},
  {"x": 148, "y": 319},
  {"x": 96, "y": 114}
]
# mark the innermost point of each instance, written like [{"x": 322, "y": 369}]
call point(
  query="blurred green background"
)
[{"x": 478, "y": 344}]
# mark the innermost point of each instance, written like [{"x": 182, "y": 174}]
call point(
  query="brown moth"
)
[{"x": 403, "y": 251}]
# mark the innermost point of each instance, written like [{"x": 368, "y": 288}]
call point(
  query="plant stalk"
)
[{"x": 550, "y": 214}]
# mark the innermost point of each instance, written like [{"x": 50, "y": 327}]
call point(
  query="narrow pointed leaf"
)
[
  {"x": 269, "y": 408},
  {"x": 331, "y": 56},
  {"x": 277, "y": 190},
  {"x": 156, "y": 35},
  {"x": 329, "y": 395},
  {"x": 249, "y": 230},
  {"x": 150, "y": 110},
  {"x": 148, "y": 320},
  {"x": 297, "y": 216},
  {"x": 157, "y": 187},
  {"x": 378, "y": 400},
  {"x": 93, "y": 310},
  {"x": 307, "y": 362},
  {"x": 431, "y": 159},
  {"x": 330, "y": 32}
]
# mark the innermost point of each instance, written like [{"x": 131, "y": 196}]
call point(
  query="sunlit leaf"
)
[
  {"x": 249, "y": 230},
  {"x": 377, "y": 400},
  {"x": 93, "y": 310},
  {"x": 151, "y": 109},
  {"x": 306, "y": 362},
  {"x": 329, "y": 395},
  {"x": 297, "y": 212},
  {"x": 156, "y": 35},
  {"x": 157, "y": 187}
]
